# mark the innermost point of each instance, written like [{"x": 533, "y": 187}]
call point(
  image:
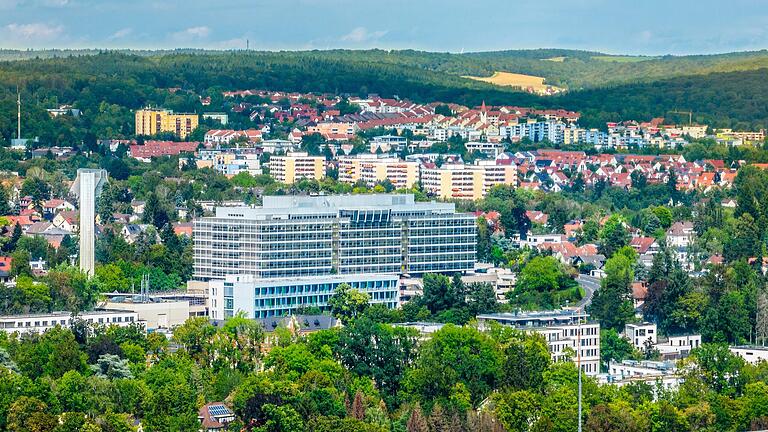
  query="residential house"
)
[{"x": 214, "y": 417}]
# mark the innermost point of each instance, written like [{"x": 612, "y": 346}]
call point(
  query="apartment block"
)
[
  {"x": 569, "y": 334},
  {"x": 263, "y": 298},
  {"x": 372, "y": 169},
  {"x": 151, "y": 121},
  {"x": 297, "y": 236},
  {"x": 295, "y": 166},
  {"x": 468, "y": 182}
]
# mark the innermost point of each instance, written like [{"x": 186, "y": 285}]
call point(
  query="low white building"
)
[
  {"x": 156, "y": 313},
  {"x": 654, "y": 373},
  {"x": 752, "y": 354},
  {"x": 489, "y": 149},
  {"x": 675, "y": 347},
  {"x": 38, "y": 323}
]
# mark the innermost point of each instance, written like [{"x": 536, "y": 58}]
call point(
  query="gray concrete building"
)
[{"x": 87, "y": 187}]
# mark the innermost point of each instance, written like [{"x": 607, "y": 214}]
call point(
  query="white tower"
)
[{"x": 87, "y": 187}]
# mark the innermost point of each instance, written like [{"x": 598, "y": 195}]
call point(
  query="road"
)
[{"x": 590, "y": 285}]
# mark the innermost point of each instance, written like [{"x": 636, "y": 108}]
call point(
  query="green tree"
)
[
  {"x": 613, "y": 236},
  {"x": 347, "y": 303},
  {"x": 612, "y": 303},
  {"x": 378, "y": 351},
  {"x": 456, "y": 356}
]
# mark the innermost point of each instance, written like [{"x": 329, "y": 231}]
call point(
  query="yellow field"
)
[
  {"x": 623, "y": 59},
  {"x": 508, "y": 79},
  {"x": 555, "y": 59}
]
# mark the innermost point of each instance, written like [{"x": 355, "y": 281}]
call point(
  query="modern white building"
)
[
  {"x": 292, "y": 236},
  {"x": 262, "y": 298},
  {"x": 569, "y": 334},
  {"x": 38, "y": 323},
  {"x": 675, "y": 347},
  {"x": 639, "y": 334},
  {"x": 753, "y": 354}
]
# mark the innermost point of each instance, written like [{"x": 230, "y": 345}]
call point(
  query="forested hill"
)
[
  {"x": 107, "y": 86},
  {"x": 570, "y": 69}
]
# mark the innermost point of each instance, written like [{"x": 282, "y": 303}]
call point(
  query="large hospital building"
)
[{"x": 323, "y": 237}]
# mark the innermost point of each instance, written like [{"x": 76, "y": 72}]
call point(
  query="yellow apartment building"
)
[
  {"x": 371, "y": 170},
  {"x": 151, "y": 121},
  {"x": 296, "y": 165},
  {"x": 467, "y": 182}
]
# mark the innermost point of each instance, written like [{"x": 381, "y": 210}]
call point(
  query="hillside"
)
[
  {"x": 570, "y": 69},
  {"x": 107, "y": 86}
]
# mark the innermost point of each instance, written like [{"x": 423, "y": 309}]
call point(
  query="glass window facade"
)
[{"x": 315, "y": 236}]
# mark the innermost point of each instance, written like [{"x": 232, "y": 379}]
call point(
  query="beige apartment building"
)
[
  {"x": 295, "y": 166},
  {"x": 468, "y": 182},
  {"x": 372, "y": 169},
  {"x": 151, "y": 121}
]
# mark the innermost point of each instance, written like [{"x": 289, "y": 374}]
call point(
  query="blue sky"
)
[{"x": 619, "y": 26}]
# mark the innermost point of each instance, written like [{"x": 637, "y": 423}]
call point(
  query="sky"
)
[{"x": 648, "y": 27}]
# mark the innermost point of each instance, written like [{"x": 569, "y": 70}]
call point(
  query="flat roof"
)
[
  {"x": 331, "y": 204},
  {"x": 750, "y": 347},
  {"x": 246, "y": 278},
  {"x": 535, "y": 315},
  {"x": 65, "y": 314}
]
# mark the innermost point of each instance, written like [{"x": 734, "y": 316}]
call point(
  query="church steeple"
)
[{"x": 483, "y": 113}]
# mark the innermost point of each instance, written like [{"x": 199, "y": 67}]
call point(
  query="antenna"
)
[
  {"x": 247, "y": 44},
  {"x": 18, "y": 104}
]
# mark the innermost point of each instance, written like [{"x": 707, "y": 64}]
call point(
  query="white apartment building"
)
[
  {"x": 536, "y": 131},
  {"x": 295, "y": 166},
  {"x": 38, "y": 323},
  {"x": 372, "y": 169},
  {"x": 569, "y": 334},
  {"x": 469, "y": 182},
  {"x": 292, "y": 236}
]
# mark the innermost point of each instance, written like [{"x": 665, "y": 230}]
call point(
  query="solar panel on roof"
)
[{"x": 218, "y": 410}]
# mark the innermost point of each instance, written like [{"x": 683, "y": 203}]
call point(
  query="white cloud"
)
[
  {"x": 361, "y": 34},
  {"x": 33, "y": 32},
  {"x": 192, "y": 33},
  {"x": 120, "y": 33}
]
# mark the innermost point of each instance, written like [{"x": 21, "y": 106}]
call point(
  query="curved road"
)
[{"x": 590, "y": 285}]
